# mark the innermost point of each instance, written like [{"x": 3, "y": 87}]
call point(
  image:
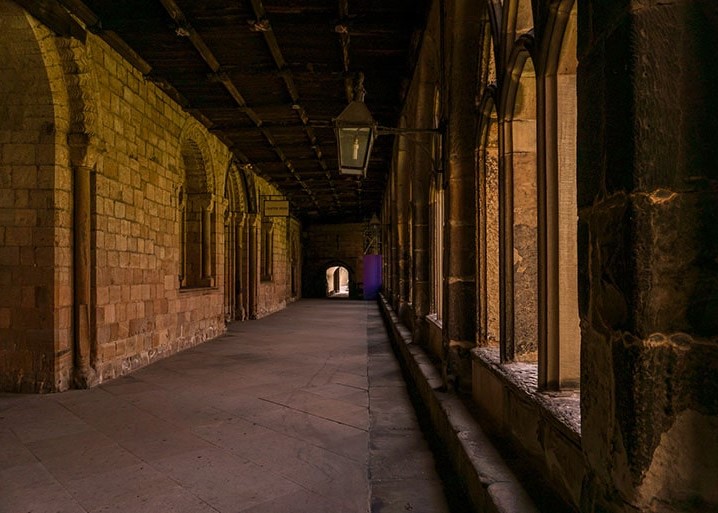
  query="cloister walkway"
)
[{"x": 302, "y": 411}]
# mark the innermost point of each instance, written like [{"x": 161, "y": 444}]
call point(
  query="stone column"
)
[
  {"x": 252, "y": 270},
  {"x": 240, "y": 262},
  {"x": 459, "y": 317},
  {"x": 648, "y": 247},
  {"x": 182, "y": 275},
  {"x": 82, "y": 153},
  {"x": 229, "y": 266},
  {"x": 207, "y": 271},
  {"x": 84, "y": 375}
]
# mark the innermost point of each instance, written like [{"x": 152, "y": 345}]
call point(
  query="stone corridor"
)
[{"x": 302, "y": 411}]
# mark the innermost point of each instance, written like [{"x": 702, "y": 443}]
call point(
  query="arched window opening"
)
[
  {"x": 488, "y": 226},
  {"x": 197, "y": 220},
  {"x": 521, "y": 253},
  {"x": 337, "y": 278}
]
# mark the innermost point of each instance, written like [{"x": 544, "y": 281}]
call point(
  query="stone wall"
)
[
  {"x": 99, "y": 169},
  {"x": 35, "y": 211},
  {"x": 325, "y": 246},
  {"x": 647, "y": 144},
  {"x": 275, "y": 293}
]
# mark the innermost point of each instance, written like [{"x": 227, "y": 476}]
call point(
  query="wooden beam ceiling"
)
[{"x": 268, "y": 76}]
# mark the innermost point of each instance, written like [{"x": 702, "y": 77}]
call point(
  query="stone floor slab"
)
[{"x": 302, "y": 411}]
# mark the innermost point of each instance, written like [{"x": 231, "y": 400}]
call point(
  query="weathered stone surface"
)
[
  {"x": 647, "y": 275},
  {"x": 112, "y": 300},
  {"x": 326, "y": 246}
]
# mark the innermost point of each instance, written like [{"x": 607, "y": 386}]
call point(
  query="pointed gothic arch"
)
[
  {"x": 488, "y": 223},
  {"x": 518, "y": 207}
]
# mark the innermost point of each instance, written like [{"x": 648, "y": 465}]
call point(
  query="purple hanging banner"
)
[{"x": 372, "y": 276}]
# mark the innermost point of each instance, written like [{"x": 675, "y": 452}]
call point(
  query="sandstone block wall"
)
[
  {"x": 74, "y": 108},
  {"x": 35, "y": 212},
  {"x": 274, "y": 294},
  {"x": 329, "y": 245}
]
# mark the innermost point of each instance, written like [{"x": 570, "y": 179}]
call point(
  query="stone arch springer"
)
[
  {"x": 195, "y": 152},
  {"x": 235, "y": 188},
  {"x": 523, "y": 50}
]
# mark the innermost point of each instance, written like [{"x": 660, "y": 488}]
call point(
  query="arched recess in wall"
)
[
  {"x": 235, "y": 245},
  {"x": 197, "y": 213},
  {"x": 487, "y": 180},
  {"x": 559, "y": 336},
  {"x": 519, "y": 319},
  {"x": 31, "y": 262},
  {"x": 487, "y": 184}
]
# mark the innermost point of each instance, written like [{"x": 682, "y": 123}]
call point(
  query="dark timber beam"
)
[
  {"x": 58, "y": 16},
  {"x": 342, "y": 29},
  {"x": 208, "y": 56},
  {"x": 286, "y": 75},
  {"x": 54, "y": 16}
]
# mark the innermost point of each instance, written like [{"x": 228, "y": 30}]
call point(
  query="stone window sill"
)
[
  {"x": 434, "y": 319},
  {"x": 197, "y": 290},
  {"x": 563, "y": 406}
]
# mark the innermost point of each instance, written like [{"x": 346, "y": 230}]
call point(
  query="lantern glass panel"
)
[{"x": 354, "y": 147}]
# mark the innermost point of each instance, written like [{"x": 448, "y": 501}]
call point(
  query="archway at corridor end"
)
[{"x": 337, "y": 282}]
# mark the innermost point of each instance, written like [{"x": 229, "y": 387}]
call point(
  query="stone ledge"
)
[
  {"x": 564, "y": 406},
  {"x": 489, "y": 483}
]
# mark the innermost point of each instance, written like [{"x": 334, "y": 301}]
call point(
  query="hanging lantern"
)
[{"x": 355, "y": 131}]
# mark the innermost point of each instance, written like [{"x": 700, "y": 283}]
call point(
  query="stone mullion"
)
[{"x": 506, "y": 242}]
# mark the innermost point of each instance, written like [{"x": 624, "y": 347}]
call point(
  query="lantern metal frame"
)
[{"x": 356, "y": 122}]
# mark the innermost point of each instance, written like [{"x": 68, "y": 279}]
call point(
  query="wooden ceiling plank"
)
[
  {"x": 208, "y": 56},
  {"x": 54, "y": 16},
  {"x": 342, "y": 29},
  {"x": 286, "y": 74}
]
